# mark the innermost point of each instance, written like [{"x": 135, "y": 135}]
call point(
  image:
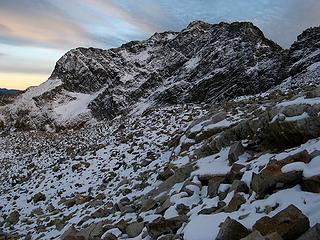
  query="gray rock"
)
[
  {"x": 148, "y": 205},
  {"x": 235, "y": 151},
  {"x": 13, "y": 218},
  {"x": 134, "y": 229},
  {"x": 39, "y": 197},
  {"x": 213, "y": 186},
  {"x": 271, "y": 178},
  {"x": 311, "y": 184},
  {"x": 290, "y": 223},
  {"x": 230, "y": 229},
  {"x": 235, "y": 203},
  {"x": 163, "y": 226},
  {"x": 239, "y": 186}
]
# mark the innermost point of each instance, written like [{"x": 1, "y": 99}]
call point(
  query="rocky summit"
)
[{"x": 208, "y": 133}]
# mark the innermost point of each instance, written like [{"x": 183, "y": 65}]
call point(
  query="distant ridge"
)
[{"x": 8, "y": 91}]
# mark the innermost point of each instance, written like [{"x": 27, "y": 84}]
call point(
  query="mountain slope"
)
[{"x": 202, "y": 63}]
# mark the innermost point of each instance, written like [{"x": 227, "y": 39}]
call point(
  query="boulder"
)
[
  {"x": 312, "y": 234},
  {"x": 134, "y": 229},
  {"x": 92, "y": 232},
  {"x": 235, "y": 203},
  {"x": 235, "y": 172},
  {"x": 163, "y": 226},
  {"x": 311, "y": 184},
  {"x": 230, "y": 229},
  {"x": 164, "y": 175},
  {"x": 109, "y": 236},
  {"x": 290, "y": 223},
  {"x": 272, "y": 178},
  {"x": 38, "y": 197},
  {"x": 213, "y": 186},
  {"x": 235, "y": 151},
  {"x": 13, "y": 218},
  {"x": 239, "y": 186},
  {"x": 70, "y": 234},
  {"x": 148, "y": 205}
]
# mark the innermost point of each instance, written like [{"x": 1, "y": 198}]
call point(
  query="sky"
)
[{"x": 34, "y": 34}]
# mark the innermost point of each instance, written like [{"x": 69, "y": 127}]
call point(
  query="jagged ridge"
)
[{"x": 202, "y": 63}]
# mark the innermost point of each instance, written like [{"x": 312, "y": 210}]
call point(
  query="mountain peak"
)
[
  {"x": 204, "y": 63},
  {"x": 198, "y": 24}
]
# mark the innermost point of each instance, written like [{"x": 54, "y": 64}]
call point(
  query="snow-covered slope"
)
[{"x": 179, "y": 170}]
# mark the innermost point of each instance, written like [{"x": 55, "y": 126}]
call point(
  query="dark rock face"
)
[
  {"x": 306, "y": 50},
  {"x": 203, "y": 63},
  {"x": 304, "y": 59},
  {"x": 85, "y": 70}
]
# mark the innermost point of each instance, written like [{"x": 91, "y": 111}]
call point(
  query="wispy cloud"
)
[{"x": 37, "y": 27}]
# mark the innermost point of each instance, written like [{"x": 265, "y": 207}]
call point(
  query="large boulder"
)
[
  {"x": 235, "y": 203},
  {"x": 311, "y": 184},
  {"x": 39, "y": 197},
  {"x": 272, "y": 178},
  {"x": 134, "y": 229},
  {"x": 92, "y": 232},
  {"x": 290, "y": 223},
  {"x": 230, "y": 229}
]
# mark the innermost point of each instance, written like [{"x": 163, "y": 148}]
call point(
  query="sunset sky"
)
[{"x": 34, "y": 34}]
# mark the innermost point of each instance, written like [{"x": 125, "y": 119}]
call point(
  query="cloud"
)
[
  {"x": 120, "y": 12},
  {"x": 38, "y": 27}
]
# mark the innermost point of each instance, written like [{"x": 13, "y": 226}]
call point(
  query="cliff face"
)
[{"x": 203, "y": 63}]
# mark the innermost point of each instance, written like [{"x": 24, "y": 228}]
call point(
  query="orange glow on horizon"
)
[{"x": 21, "y": 81}]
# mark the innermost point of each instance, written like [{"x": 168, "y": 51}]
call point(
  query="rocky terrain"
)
[{"x": 208, "y": 133}]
